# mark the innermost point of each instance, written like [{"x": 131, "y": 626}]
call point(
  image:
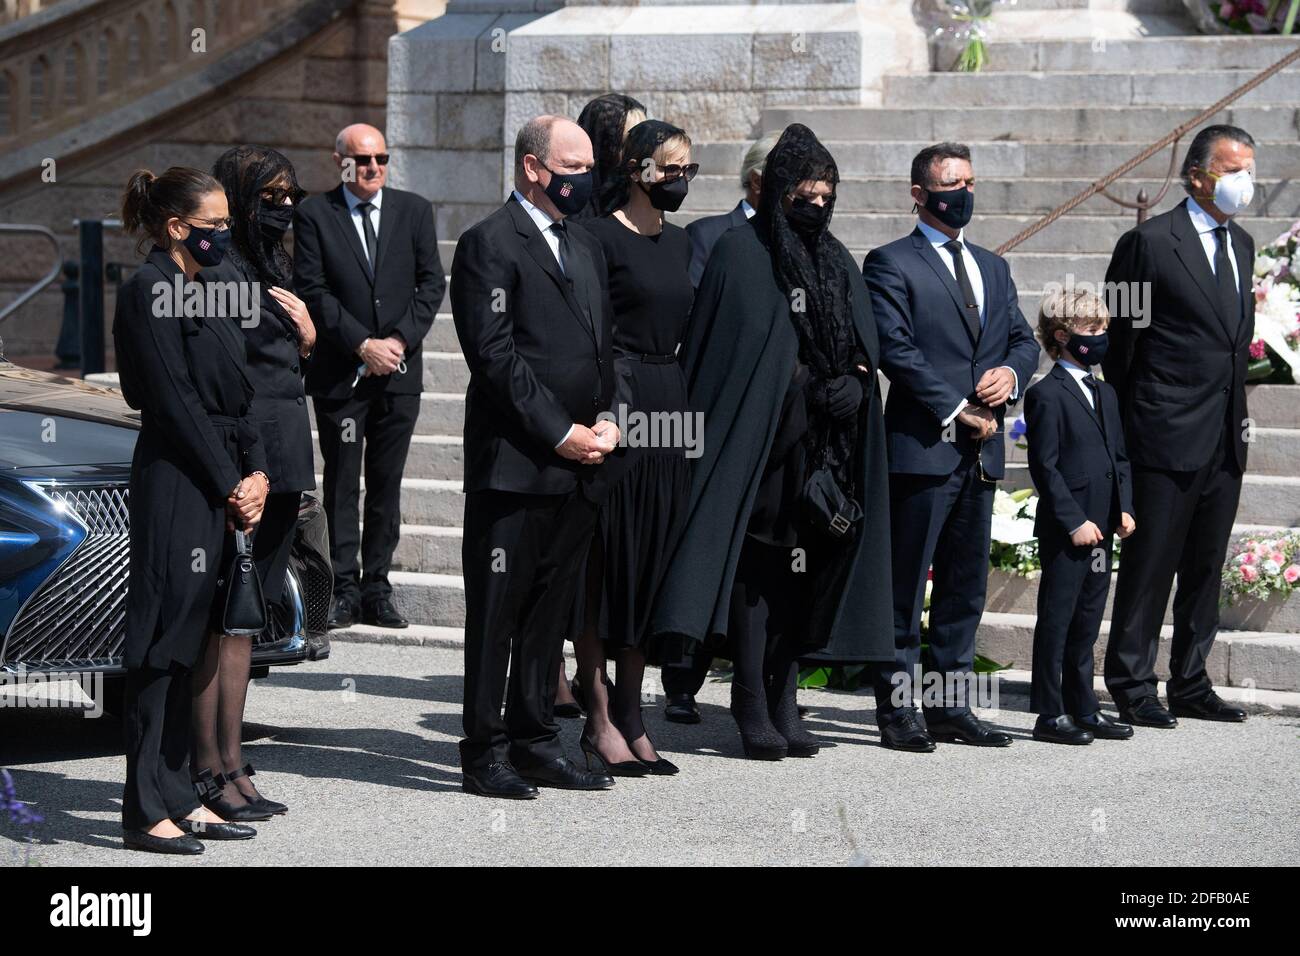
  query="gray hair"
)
[
  {"x": 534, "y": 137},
  {"x": 756, "y": 157},
  {"x": 1198, "y": 154}
]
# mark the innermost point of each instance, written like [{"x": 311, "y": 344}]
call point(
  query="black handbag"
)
[
  {"x": 244, "y": 612},
  {"x": 826, "y": 507}
]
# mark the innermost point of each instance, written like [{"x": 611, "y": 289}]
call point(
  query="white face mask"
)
[{"x": 1234, "y": 191}]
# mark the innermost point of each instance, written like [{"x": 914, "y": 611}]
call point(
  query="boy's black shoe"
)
[
  {"x": 1060, "y": 730},
  {"x": 1208, "y": 707}
]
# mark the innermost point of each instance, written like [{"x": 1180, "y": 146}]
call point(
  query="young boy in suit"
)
[{"x": 1080, "y": 467}]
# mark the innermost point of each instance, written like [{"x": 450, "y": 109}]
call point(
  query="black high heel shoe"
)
[
  {"x": 209, "y": 787},
  {"x": 270, "y": 806},
  {"x": 624, "y": 768}
]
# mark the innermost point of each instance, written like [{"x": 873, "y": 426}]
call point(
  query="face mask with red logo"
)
[{"x": 569, "y": 191}]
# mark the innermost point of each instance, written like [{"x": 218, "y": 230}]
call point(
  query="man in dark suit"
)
[
  {"x": 682, "y": 681},
  {"x": 366, "y": 263},
  {"x": 956, "y": 350},
  {"x": 1180, "y": 370},
  {"x": 530, "y": 299}
]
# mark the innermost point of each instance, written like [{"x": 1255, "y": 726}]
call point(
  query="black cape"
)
[{"x": 739, "y": 354}]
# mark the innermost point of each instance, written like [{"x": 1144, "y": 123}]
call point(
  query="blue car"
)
[{"x": 65, "y": 464}]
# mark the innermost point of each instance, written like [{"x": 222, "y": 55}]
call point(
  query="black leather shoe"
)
[
  {"x": 216, "y": 831},
  {"x": 682, "y": 709},
  {"x": 1104, "y": 727},
  {"x": 563, "y": 774},
  {"x": 342, "y": 614},
  {"x": 1209, "y": 707},
  {"x": 623, "y": 768},
  {"x": 1147, "y": 712},
  {"x": 381, "y": 613},
  {"x": 184, "y": 845},
  {"x": 967, "y": 729},
  {"x": 209, "y": 789},
  {"x": 497, "y": 780},
  {"x": 1060, "y": 730},
  {"x": 263, "y": 804},
  {"x": 904, "y": 731}
]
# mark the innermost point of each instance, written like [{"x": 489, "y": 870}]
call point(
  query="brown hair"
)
[
  {"x": 1068, "y": 309},
  {"x": 149, "y": 200}
]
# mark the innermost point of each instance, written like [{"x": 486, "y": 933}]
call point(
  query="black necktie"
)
[
  {"x": 1090, "y": 382},
  {"x": 1229, "y": 294},
  {"x": 573, "y": 259},
  {"x": 368, "y": 228},
  {"x": 971, "y": 312}
]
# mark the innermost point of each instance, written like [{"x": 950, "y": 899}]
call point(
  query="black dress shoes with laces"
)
[
  {"x": 342, "y": 614},
  {"x": 1060, "y": 730},
  {"x": 381, "y": 613},
  {"x": 1147, "y": 712},
  {"x": 1208, "y": 707},
  {"x": 682, "y": 709},
  {"x": 563, "y": 774},
  {"x": 904, "y": 731},
  {"x": 967, "y": 729},
  {"x": 1104, "y": 727},
  {"x": 216, "y": 831},
  {"x": 184, "y": 845},
  {"x": 497, "y": 780}
]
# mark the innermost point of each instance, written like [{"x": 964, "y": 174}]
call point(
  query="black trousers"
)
[
  {"x": 1071, "y": 603},
  {"x": 156, "y": 721},
  {"x": 1184, "y": 520},
  {"x": 687, "y": 676},
  {"x": 373, "y": 430},
  {"x": 522, "y": 558},
  {"x": 943, "y": 521}
]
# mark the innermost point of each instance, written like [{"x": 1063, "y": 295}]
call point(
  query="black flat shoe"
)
[
  {"x": 342, "y": 614},
  {"x": 209, "y": 788},
  {"x": 381, "y": 613},
  {"x": 1061, "y": 730},
  {"x": 563, "y": 774},
  {"x": 184, "y": 845},
  {"x": 905, "y": 732},
  {"x": 263, "y": 804},
  {"x": 967, "y": 729},
  {"x": 1104, "y": 727},
  {"x": 216, "y": 831},
  {"x": 1209, "y": 707},
  {"x": 682, "y": 709},
  {"x": 624, "y": 768},
  {"x": 497, "y": 780},
  {"x": 1147, "y": 712}
]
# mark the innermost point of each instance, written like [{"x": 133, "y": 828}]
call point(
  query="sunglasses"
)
[
  {"x": 364, "y": 159},
  {"x": 675, "y": 171},
  {"x": 276, "y": 196}
]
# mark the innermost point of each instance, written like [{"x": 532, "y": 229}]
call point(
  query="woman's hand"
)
[
  {"x": 297, "y": 310},
  {"x": 248, "y": 500}
]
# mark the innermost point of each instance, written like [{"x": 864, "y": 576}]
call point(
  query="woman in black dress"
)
[
  {"x": 649, "y": 479},
  {"x": 198, "y": 469},
  {"x": 781, "y": 358},
  {"x": 261, "y": 189}
]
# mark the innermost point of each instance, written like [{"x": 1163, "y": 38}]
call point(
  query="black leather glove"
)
[{"x": 843, "y": 396}]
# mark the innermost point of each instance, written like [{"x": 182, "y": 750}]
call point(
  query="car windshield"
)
[{"x": 35, "y": 440}]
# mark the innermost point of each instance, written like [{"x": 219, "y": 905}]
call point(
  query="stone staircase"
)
[{"x": 1038, "y": 136}]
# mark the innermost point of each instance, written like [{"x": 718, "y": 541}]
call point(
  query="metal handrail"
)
[
  {"x": 40, "y": 285},
  {"x": 1171, "y": 138}
]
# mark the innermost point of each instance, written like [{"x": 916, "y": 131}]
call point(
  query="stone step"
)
[
  {"x": 1034, "y": 122},
  {"x": 429, "y": 549},
  {"x": 1260, "y": 660},
  {"x": 434, "y": 502},
  {"x": 1082, "y": 88},
  {"x": 441, "y": 413},
  {"x": 1174, "y": 54},
  {"x": 429, "y": 456},
  {"x": 437, "y": 599}
]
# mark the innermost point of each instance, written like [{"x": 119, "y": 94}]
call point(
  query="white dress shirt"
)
[
  {"x": 747, "y": 209},
  {"x": 353, "y": 201},
  {"x": 1205, "y": 226},
  {"x": 937, "y": 241},
  {"x": 1078, "y": 374}
]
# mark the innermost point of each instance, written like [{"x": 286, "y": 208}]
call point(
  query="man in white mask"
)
[{"x": 1180, "y": 369}]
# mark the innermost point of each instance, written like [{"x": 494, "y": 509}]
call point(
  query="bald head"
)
[
  {"x": 357, "y": 151},
  {"x": 545, "y": 145}
]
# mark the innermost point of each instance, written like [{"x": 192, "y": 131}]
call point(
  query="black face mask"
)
[
  {"x": 569, "y": 191},
  {"x": 1087, "y": 349},
  {"x": 667, "y": 195},
  {"x": 808, "y": 218},
  {"x": 274, "y": 220},
  {"x": 952, "y": 207},
  {"x": 207, "y": 246}
]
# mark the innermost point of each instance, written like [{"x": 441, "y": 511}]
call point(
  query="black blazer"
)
[
  {"x": 930, "y": 357},
  {"x": 703, "y": 233},
  {"x": 348, "y": 304},
  {"x": 1180, "y": 376},
  {"x": 279, "y": 406},
  {"x": 539, "y": 360},
  {"x": 1081, "y": 470}
]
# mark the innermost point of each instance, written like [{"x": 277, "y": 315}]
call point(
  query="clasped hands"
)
[
  {"x": 994, "y": 388},
  {"x": 382, "y": 356},
  {"x": 244, "y": 504},
  {"x": 589, "y": 446}
]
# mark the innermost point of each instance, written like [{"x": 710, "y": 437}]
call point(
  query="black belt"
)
[{"x": 651, "y": 359}]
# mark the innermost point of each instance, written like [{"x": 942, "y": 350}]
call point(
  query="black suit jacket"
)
[
  {"x": 349, "y": 304},
  {"x": 1080, "y": 468},
  {"x": 1180, "y": 371},
  {"x": 703, "y": 233},
  {"x": 539, "y": 359},
  {"x": 930, "y": 357}
]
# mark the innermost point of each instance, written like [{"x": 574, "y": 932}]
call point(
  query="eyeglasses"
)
[
  {"x": 676, "y": 171},
  {"x": 221, "y": 225},
  {"x": 277, "y": 195},
  {"x": 363, "y": 159}
]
